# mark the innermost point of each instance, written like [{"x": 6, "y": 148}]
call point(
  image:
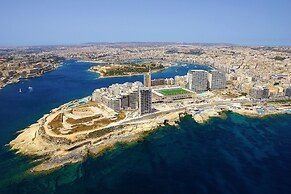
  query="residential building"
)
[
  {"x": 145, "y": 101},
  {"x": 181, "y": 81},
  {"x": 260, "y": 92},
  {"x": 288, "y": 92},
  {"x": 197, "y": 80},
  {"x": 119, "y": 96},
  {"x": 158, "y": 82},
  {"x": 216, "y": 80}
]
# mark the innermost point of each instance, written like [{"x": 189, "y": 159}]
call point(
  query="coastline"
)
[
  {"x": 57, "y": 151},
  {"x": 101, "y": 74},
  {"x": 90, "y": 61},
  {"x": 17, "y": 80},
  {"x": 135, "y": 74}
]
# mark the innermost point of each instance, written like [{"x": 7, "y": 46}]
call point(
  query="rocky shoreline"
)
[
  {"x": 101, "y": 75},
  {"x": 98, "y": 69},
  {"x": 17, "y": 79},
  {"x": 56, "y": 152}
]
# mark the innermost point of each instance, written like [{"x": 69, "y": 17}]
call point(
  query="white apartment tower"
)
[
  {"x": 216, "y": 80},
  {"x": 197, "y": 80}
]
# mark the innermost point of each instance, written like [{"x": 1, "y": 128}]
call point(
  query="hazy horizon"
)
[
  {"x": 51, "y": 23},
  {"x": 140, "y": 42}
]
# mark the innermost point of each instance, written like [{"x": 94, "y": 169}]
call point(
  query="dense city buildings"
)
[
  {"x": 197, "y": 80},
  {"x": 127, "y": 96},
  {"x": 246, "y": 80},
  {"x": 244, "y": 67},
  {"x": 119, "y": 96},
  {"x": 26, "y": 63}
]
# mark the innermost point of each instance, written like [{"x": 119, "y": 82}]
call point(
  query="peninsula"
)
[
  {"x": 127, "y": 69},
  {"x": 69, "y": 133},
  {"x": 253, "y": 81}
]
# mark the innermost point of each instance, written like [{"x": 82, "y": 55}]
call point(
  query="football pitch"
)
[{"x": 173, "y": 92}]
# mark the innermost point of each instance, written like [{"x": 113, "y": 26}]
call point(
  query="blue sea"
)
[{"x": 233, "y": 155}]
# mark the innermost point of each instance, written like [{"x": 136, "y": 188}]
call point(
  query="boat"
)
[{"x": 20, "y": 90}]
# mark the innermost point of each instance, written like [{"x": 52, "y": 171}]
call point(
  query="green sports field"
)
[{"x": 173, "y": 92}]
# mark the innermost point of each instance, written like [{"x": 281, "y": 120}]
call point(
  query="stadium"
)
[
  {"x": 171, "y": 94},
  {"x": 173, "y": 91}
]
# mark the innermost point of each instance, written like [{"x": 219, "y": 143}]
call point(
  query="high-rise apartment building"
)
[
  {"x": 127, "y": 96},
  {"x": 145, "y": 101},
  {"x": 216, "y": 80},
  {"x": 260, "y": 92},
  {"x": 133, "y": 100},
  {"x": 119, "y": 96},
  {"x": 197, "y": 80}
]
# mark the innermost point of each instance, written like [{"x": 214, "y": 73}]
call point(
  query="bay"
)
[{"x": 233, "y": 155}]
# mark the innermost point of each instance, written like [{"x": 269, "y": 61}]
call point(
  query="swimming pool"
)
[
  {"x": 83, "y": 101},
  {"x": 204, "y": 94}
]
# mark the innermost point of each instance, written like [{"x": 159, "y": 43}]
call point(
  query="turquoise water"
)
[
  {"x": 233, "y": 155},
  {"x": 83, "y": 101},
  {"x": 204, "y": 94}
]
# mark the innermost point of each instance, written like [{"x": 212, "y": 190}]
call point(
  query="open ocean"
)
[{"x": 233, "y": 155}]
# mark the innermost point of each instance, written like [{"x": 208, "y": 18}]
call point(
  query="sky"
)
[{"x": 56, "y": 22}]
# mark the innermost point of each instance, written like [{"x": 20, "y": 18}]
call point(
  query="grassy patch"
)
[
  {"x": 281, "y": 101},
  {"x": 127, "y": 69},
  {"x": 173, "y": 92}
]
